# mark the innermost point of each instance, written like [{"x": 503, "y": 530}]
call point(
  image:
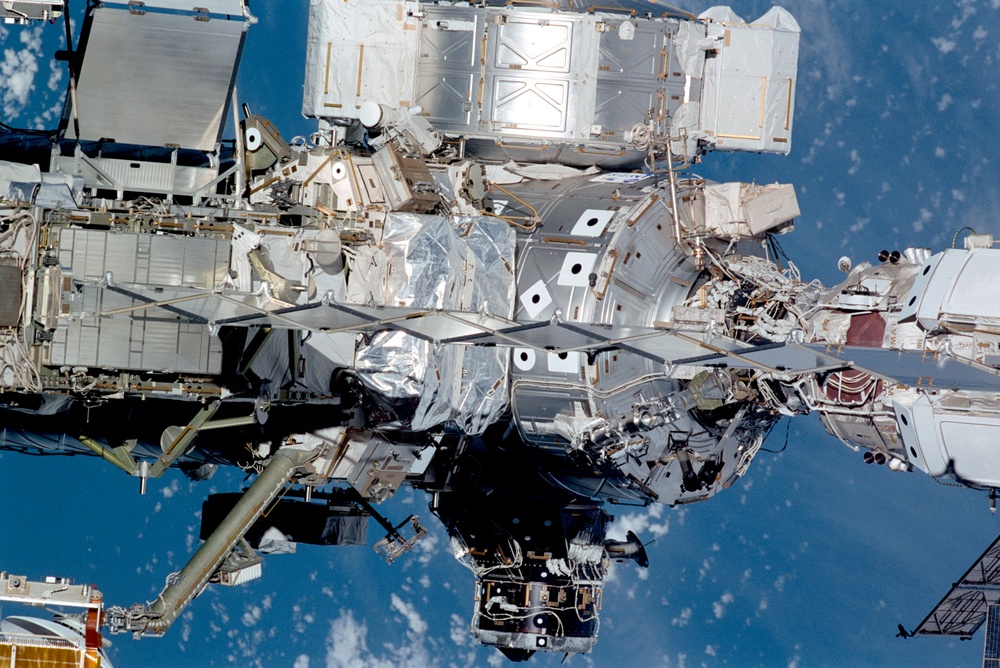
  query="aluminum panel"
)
[
  {"x": 960, "y": 288},
  {"x": 446, "y": 98},
  {"x": 143, "y": 258},
  {"x": 633, "y": 67},
  {"x": 147, "y": 177},
  {"x": 971, "y": 444},
  {"x": 142, "y": 339},
  {"x": 86, "y": 343},
  {"x": 538, "y": 75},
  {"x": 156, "y": 176},
  {"x": 159, "y": 345},
  {"x": 233, "y": 8},
  {"x": 619, "y": 108},
  {"x": 636, "y": 55},
  {"x": 532, "y": 43},
  {"x": 166, "y": 256},
  {"x": 200, "y": 263},
  {"x": 448, "y": 67},
  {"x": 524, "y": 104},
  {"x": 121, "y": 93},
  {"x": 120, "y": 253}
]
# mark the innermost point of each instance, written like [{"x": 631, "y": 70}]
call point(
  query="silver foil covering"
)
[{"x": 463, "y": 263}]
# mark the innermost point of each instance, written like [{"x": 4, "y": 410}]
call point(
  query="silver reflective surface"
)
[
  {"x": 437, "y": 262},
  {"x": 122, "y": 92}
]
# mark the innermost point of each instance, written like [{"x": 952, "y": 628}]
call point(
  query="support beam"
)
[
  {"x": 183, "y": 587},
  {"x": 175, "y": 441},
  {"x": 120, "y": 456}
]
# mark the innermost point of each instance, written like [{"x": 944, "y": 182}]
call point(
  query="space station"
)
[{"x": 492, "y": 274}]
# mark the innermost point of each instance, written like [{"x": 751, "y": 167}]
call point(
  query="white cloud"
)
[
  {"x": 427, "y": 547},
  {"x": 347, "y": 643},
  {"x": 55, "y": 75},
  {"x": 640, "y": 523},
  {"x": 719, "y": 607},
  {"x": 252, "y": 615},
  {"x": 943, "y": 44},
  {"x": 706, "y": 566},
  {"x": 459, "y": 631},
  {"x": 925, "y": 217},
  {"x": 301, "y": 661},
  {"x": 170, "y": 490},
  {"x": 682, "y": 619},
  {"x": 413, "y": 619},
  {"x": 18, "y": 71}
]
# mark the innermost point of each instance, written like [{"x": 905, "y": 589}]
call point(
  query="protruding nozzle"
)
[
  {"x": 143, "y": 476},
  {"x": 630, "y": 548}
]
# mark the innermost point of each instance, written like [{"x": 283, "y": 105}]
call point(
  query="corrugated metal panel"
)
[
  {"x": 156, "y": 79},
  {"x": 121, "y": 343},
  {"x": 144, "y": 258},
  {"x": 120, "y": 254},
  {"x": 166, "y": 260},
  {"x": 159, "y": 347}
]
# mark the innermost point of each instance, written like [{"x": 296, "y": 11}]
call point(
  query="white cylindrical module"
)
[
  {"x": 978, "y": 241},
  {"x": 375, "y": 115}
]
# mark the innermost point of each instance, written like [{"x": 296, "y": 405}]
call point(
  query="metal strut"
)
[{"x": 225, "y": 543}]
